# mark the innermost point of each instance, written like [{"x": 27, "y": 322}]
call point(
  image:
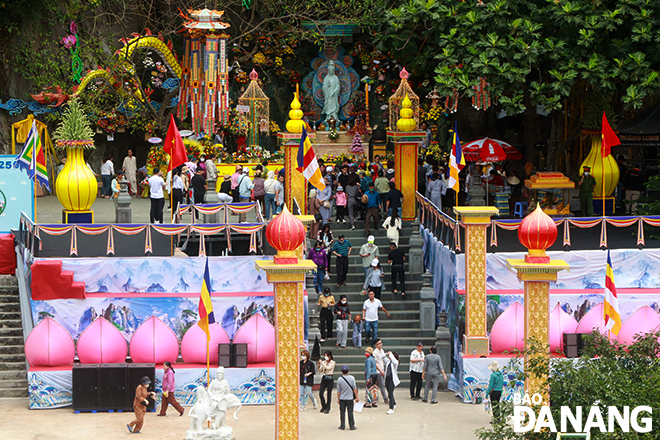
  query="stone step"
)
[
  {"x": 11, "y": 357},
  {"x": 8, "y": 281},
  {"x": 11, "y": 323},
  {"x": 11, "y": 349},
  {"x": 4, "y": 315},
  {"x": 8, "y": 298},
  {"x": 9, "y": 291},
  {"x": 14, "y": 383},
  {"x": 11, "y": 340},
  {"x": 7, "y": 332},
  {"x": 10, "y": 307},
  {"x": 13, "y": 365},
  {"x": 13, "y": 375},
  {"x": 14, "y": 392}
]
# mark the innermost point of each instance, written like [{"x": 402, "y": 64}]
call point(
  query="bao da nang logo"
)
[{"x": 579, "y": 419}]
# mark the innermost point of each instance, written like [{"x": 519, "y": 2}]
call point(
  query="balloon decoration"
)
[
  {"x": 508, "y": 332},
  {"x": 49, "y": 345},
  {"x": 259, "y": 335},
  {"x": 193, "y": 344},
  {"x": 604, "y": 169},
  {"x": 154, "y": 342},
  {"x": 101, "y": 343}
]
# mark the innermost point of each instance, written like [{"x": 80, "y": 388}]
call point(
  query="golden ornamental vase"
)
[
  {"x": 604, "y": 169},
  {"x": 76, "y": 185}
]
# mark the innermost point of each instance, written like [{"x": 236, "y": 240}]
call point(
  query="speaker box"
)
[
  {"x": 134, "y": 374},
  {"x": 572, "y": 338},
  {"x": 85, "y": 390},
  {"x": 240, "y": 355},
  {"x": 571, "y": 351},
  {"x": 112, "y": 387},
  {"x": 573, "y": 345}
]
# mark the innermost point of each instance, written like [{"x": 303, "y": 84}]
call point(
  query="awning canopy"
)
[{"x": 643, "y": 130}]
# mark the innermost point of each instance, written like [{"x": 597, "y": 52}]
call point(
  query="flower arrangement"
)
[
  {"x": 434, "y": 114},
  {"x": 333, "y": 134},
  {"x": 259, "y": 58},
  {"x": 336, "y": 159},
  {"x": 75, "y": 130},
  {"x": 157, "y": 157},
  {"x": 242, "y": 77},
  {"x": 435, "y": 151},
  {"x": 357, "y": 144},
  {"x": 193, "y": 148},
  {"x": 274, "y": 128}
]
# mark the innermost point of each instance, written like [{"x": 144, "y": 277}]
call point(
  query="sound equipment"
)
[
  {"x": 573, "y": 345},
  {"x": 232, "y": 355},
  {"x": 109, "y": 386},
  {"x": 112, "y": 387},
  {"x": 85, "y": 391}
]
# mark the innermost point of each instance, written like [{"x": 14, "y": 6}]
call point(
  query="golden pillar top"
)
[
  {"x": 476, "y": 215},
  {"x": 537, "y": 271}
]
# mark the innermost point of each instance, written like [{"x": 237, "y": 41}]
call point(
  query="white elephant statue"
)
[{"x": 206, "y": 409}]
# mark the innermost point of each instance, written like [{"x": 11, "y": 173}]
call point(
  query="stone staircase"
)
[
  {"x": 13, "y": 373},
  {"x": 399, "y": 333}
]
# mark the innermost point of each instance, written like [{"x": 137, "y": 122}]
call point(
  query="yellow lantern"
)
[
  {"x": 604, "y": 169},
  {"x": 295, "y": 124},
  {"x": 406, "y": 122}
]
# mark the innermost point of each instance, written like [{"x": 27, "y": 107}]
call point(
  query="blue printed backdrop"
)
[
  {"x": 168, "y": 275},
  {"x": 16, "y": 194}
]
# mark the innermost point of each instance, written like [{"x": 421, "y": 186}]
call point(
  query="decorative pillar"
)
[
  {"x": 123, "y": 213},
  {"x": 537, "y": 232},
  {"x": 295, "y": 183},
  {"x": 406, "y": 141},
  {"x": 476, "y": 220},
  {"x": 305, "y": 220},
  {"x": 286, "y": 271}
]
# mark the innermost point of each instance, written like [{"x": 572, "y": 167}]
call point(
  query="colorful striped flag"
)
[
  {"x": 34, "y": 164},
  {"x": 205, "y": 306},
  {"x": 307, "y": 163},
  {"x": 611, "y": 304},
  {"x": 609, "y": 138},
  {"x": 456, "y": 162}
]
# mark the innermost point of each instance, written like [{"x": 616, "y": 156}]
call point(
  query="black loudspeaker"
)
[
  {"x": 240, "y": 355},
  {"x": 135, "y": 373},
  {"x": 85, "y": 391},
  {"x": 232, "y": 355},
  {"x": 224, "y": 355},
  {"x": 573, "y": 345},
  {"x": 112, "y": 387}
]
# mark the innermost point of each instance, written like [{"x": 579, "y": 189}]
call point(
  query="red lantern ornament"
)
[
  {"x": 537, "y": 232},
  {"x": 285, "y": 233}
]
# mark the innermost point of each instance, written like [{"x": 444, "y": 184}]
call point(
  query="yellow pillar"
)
[
  {"x": 306, "y": 220},
  {"x": 286, "y": 275},
  {"x": 537, "y": 278},
  {"x": 405, "y": 167},
  {"x": 476, "y": 220}
]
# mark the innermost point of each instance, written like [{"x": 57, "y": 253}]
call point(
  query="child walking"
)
[
  {"x": 341, "y": 201},
  {"x": 357, "y": 331}
]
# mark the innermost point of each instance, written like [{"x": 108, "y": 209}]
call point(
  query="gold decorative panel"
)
[{"x": 475, "y": 280}]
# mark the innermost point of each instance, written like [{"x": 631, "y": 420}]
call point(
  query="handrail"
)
[{"x": 445, "y": 228}]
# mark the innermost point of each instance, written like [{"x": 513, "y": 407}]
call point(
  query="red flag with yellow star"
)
[
  {"x": 610, "y": 139},
  {"x": 174, "y": 146}
]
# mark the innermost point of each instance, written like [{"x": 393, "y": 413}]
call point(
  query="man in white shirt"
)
[
  {"x": 416, "y": 371},
  {"x": 370, "y": 315},
  {"x": 368, "y": 252},
  {"x": 130, "y": 171},
  {"x": 211, "y": 169},
  {"x": 379, "y": 356},
  {"x": 156, "y": 185}
]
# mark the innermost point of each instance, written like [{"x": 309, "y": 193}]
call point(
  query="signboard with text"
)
[{"x": 16, "y": 194}]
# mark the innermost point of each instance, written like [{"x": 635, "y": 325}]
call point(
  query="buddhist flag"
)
[
  {"x": 611, "y": 304},
  {"x": 307, "y": 163},
  {"x": 609, "y": 138},
  {"x": 205, "y": 306},
  {"x": 174, "y": 146},
  {"x": 456, "y": 161},
  {"x": 32, "y": 158}
]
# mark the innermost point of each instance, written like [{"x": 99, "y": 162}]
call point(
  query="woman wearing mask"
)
[
  {"x": 391, "y": 378},
  {"x": 326, "y": 238},
  {"x": 325, "y": 198},
  {"x": 168, "y": 390},
  {"x": 326, "y": 302},
  {"x": 374, "y": 278},
  {"x": 343, "y": 316},
  {"x": 326, "y": 367},
  {"x": 318, "y": 255},
  {"x": 259, "y": 190},
  {"x": 306, "y": 379},
  {"x": 269, "y": 197}
]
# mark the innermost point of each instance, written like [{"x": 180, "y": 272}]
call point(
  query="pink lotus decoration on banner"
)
[
  {"x": 101, "y": 343},
  {"x": 154, "y": 342},
  {"x": 644, "y": 320},
  {"x": 193, "y": 344},
  {"x": 560, "y": 323},
  {"x": 49, "y": 345},
  {"x": 508, "y": 332},
  {"x": 259, "y": 335},
  {"x": 593, "y": 319}
]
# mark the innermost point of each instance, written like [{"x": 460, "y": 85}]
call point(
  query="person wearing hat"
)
[
  {"x": 340, "y": 202},
  {"x": 140, "y": 404},
  {"x": 368, "y": 251},
  {"x": 495, "y": 385},
  {"x": 346, "y": 393},
  {"x": 416, "y": 371},
  {"x": 371, "y": 379},
  {"x": 342, "y": 250},
  {"x": 432, "y": 369},
  {"x": 224, "y": 190},
  {"x": 374, "y": 279},
  {"x": 587, "y": 184},
  {"x": 516, "y": 191},
  {"x": 238, "y": 173}
]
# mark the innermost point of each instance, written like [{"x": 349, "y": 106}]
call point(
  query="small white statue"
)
[
  {"x": 331, "y": 88},
  {"x": 213, "y": 405}
]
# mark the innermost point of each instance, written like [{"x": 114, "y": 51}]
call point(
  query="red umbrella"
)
[{"x": 489, "y": 150}]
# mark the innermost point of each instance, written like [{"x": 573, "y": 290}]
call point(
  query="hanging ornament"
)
[
  {"x": 481, "y": 97},
  {"x": 451, "y": 103},
  {"x": 72, "y": 43}
]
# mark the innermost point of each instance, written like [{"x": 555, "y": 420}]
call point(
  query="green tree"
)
[{"x": 554, "y": 53}]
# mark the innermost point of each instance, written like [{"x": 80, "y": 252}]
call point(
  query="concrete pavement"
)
[{"x": 448, "y": 420}]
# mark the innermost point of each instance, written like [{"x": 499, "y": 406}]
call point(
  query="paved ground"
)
[{"x": 450, "y": 419}]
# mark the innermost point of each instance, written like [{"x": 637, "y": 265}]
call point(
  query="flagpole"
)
[
  {"x": 602, "y": 189},
  {"x": 35, "y": 195}
]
